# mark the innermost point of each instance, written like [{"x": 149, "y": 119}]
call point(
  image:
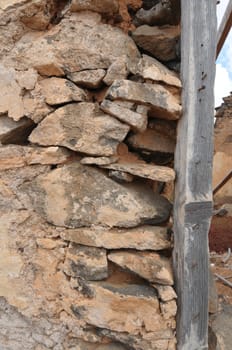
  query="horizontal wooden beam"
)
[{"x": 224, "y": 27}]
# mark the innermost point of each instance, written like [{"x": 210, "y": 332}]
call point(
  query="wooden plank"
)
[
  {"x": 224, "y": 27},
  {"x": 193, "y": 165}
]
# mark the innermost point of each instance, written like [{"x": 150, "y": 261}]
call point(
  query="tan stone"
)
[
  {"x": 27, "y": 79},
  {"x": 168, "y": 309},
  {"x": 57, "y": 91},
  {"x": 76, "y": 195},
  {"x": 165, "y": 293},
  {"x": 221, "y": 168},
  {"x": 14, "y": 131},
  {"x": 140, "y": 238},
  {"x": 81, "y": 127},
  {"x": 91, "y": 79},
  {"x": 79, "y": 42},
  {"x": 103, "y": 6},
  {"x": 149, "y": 68},
  {"x": 15, "y": 156},
  {"x": 157, "y": 97},
  {"x": 98, "y": 160},
  {"x": 150, "y": 266},
  {"x": 159, "y": 138},
  {"x": 135, "y": 120},
  {"x": 89, "y": 263},
  {"x": 124, "y": 308},
  {"x": 49, "y": 243},
  {"x": 160, "y": 42},
  {"x": 117, "y": 70},
  {"x": 148, "y": 171}
]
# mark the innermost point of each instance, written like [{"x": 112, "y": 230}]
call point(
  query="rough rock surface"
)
[
  {"x": 76, "y": 196},
  {"x": 58, "y": 91},
  {"x": 165, "y": 293},
  {"x": 86, "y": 262},
  {"x": 150, "y": 68},
  {"x": 160, "y": 42},
  {"x": 157, "y": 97},
  {"x": 136, "y": 120},
  {"x": 103, "y": 6},
  {"x": 91, "y": 79},
  {"x": 14, "y": 131},
  {"x": 140, "y": 238},
  {"x": 19, "y": 156},
  {"x": 77, "y": 43},
  {"x": 148, "y": 171},
  {"x": 150, "y": 266},
  {"x": 81, "y": 127}
]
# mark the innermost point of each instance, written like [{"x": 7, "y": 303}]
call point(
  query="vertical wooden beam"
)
[{"x": 193, "y": 163}]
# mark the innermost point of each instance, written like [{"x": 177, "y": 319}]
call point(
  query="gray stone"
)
[
  {"x": 14, "y": 131},
  {"x": 136, "y": 120},
  {"x": 160, "y": 42},
  {"x": 81, "y": 127},
  {"x": 77, "y": 195},
  {"x": 150, "y": 266},
  {"x": 140, "y": 238},
  {"x": 120, "y": 176},
  {"x": 156, "y": 97},
  {"x": 89, "y": 263},
  {"x": 91, "y": 79},
  {"x": 142, "y": 169}
]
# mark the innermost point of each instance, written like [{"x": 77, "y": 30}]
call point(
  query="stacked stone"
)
[{"x": 87, "y": 131}]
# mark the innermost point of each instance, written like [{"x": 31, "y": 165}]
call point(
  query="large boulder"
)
[
  {"x": 77, "y": 195},
  {"x": 81, "y": 127}
]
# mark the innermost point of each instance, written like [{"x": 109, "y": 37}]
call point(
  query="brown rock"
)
[
  {"x": 149, "y": 68},
  {"x": 103, "y": 6},
  {"x": 87, "y": 262},
  {"x": 79, "y": 42},
  {"x": 150, "y": 266},
  {"x": 135, "y": 120},
  {"x": 124, "y": 308},
  {"x": 168, "y": 309},
  {"x": 165, "y": 293},
  {"x": 160, "y": 42},
  {"x": 57, "y": 91},
  {"x": 19, "y": 156},
  {"x": 148, "y": 171},
  {"x": 140, "y": 238},
  {"x": 91, "y": 79},
  {"x": 14, "y": 131},
  {"x": 157, "y": 97},
  {"x": 81, "y": 127},
  {"x": 117, "y": 70},
  {"x": 98, "y": 160},
  {"x": 76, "y": 195}
]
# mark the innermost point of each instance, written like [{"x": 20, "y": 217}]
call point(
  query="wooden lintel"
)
[
  {"x": 193, "y": 165},
  {"x": 224, "y": 27}
]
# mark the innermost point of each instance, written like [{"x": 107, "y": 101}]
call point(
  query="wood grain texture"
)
[{"x": 193, "y": 165}]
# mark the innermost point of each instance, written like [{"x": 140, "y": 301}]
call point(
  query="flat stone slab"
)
[
  {"x": 140, "y": 238},
  {"x": 150, "y": 266},
  {"x": 150, "y": 68},
  {"x": 76, "y": 195},
  {"x": 160, "y": 42},
  {"x": 136, "y": 120},
  {"x": 81, "y": 127},
  {"x": 16, "y": 156},
  {"x": 157, "y": 97},
  {"x": 91, "y": 79},
  {"x": 147, "y": 171},
  {"x": 89, "y": 263}
]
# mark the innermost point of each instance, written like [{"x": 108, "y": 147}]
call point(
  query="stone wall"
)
[{"x": 88, "y": 113}]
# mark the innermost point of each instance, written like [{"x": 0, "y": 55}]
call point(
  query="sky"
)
[{"x": 223, "y": 81}]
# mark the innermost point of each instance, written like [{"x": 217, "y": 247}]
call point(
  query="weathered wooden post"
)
[{"x": 193, "y": 163}]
